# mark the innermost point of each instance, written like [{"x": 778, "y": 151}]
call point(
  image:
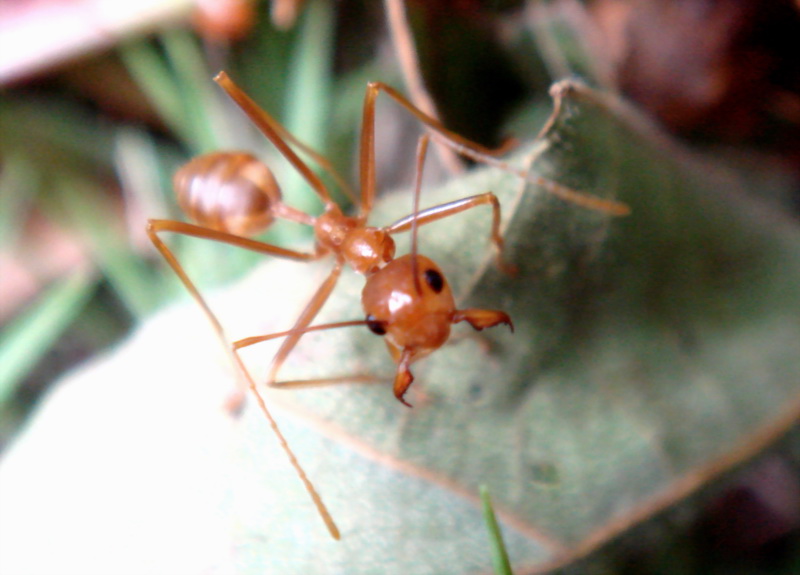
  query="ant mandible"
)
[{"x": 232, "y": 196}]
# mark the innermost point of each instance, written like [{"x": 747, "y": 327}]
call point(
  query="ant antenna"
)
[
  {"x": 248, "y": 341},
  {"x": 422, "y": 150}
]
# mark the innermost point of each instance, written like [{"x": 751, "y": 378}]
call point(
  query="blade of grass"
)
[
  {"x": 94, "y": 215},
  {"x": 198, "y": 99},
  {"x": 308, "y": 94},
  {"x": 137, "y": 162},
  {"x": 26, "y": 339},
  {"x": 140, "y": 165},
  {"x": 53, "y": 132},
  {"x": 154, "y": 77},
  {"x": 502, "y": 565},
  {"x": 18, "y": 182}
]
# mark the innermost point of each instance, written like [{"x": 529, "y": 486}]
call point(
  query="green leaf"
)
[
  {"x": 651, "y": 354},
  {"x": 29, "y": 337}
]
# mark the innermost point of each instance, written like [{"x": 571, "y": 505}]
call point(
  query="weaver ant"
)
[{"x": 233, "y": 196}]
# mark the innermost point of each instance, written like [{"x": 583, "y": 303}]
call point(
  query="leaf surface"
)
[{"x": 651, "y": 354}]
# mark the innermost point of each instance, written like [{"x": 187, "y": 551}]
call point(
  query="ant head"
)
[
  {"x": 231, "y": 192},
  {"x": 412, "y": 314}
]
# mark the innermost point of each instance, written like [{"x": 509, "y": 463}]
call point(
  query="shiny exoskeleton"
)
[{"x": 232, "y": 196}]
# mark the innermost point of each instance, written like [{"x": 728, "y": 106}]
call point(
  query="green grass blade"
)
[
  {"x": 52, "y": 133},
  {"x": 18, "y": 180},
  {"x": 26, "y": 339},
  {"x": 309, "y": 92},
  {"x": 154, "y": 78},
  {"x": 196, "y": 90},
  {"x": 502, "y": 565},
  {"x": 94, "y": 216}
]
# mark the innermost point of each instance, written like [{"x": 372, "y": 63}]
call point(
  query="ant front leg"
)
[
  {"x": 421, "y": 217},
  {"x": 442, "y": 211}
]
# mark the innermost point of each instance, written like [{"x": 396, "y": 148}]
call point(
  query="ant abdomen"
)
[{"x": 230, "y": 192}]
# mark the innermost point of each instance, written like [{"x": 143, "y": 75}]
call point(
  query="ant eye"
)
[
  {"x": 376, "y": 326},
  {"x": 435, "y": 280}
]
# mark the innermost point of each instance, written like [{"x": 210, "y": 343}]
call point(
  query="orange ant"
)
[
  {"x": 415, "y": 320},
  {"x": 233, "y": 196}
]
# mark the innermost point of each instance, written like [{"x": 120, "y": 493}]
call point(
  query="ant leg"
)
[
  {"x": 367, "y": 144},
  {"x": 279, "y": 136},
  {"x": 154, "y": 227},
  {"x": 403, "y": 376},
  {"x": 442, "y": 211},
  {"x": 464, "y": 147},
  {"x": 299, "y": 332},
  {"x": 322, "y": 509},
  {"x": 303, "y": 321}
]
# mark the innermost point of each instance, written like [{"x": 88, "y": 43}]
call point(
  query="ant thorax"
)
[{"x": 365, "y": 249}]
